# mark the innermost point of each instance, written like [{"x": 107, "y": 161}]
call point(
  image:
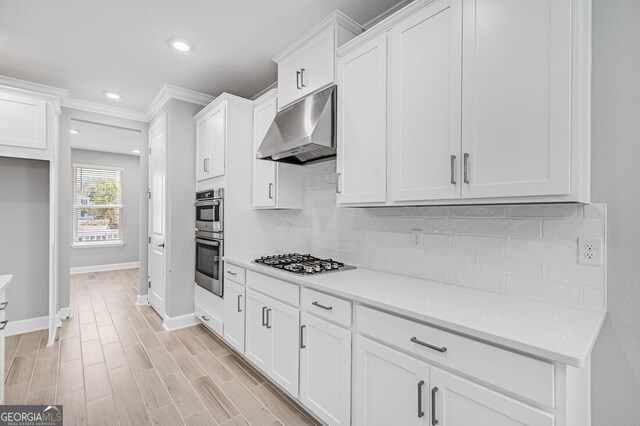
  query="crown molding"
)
[
  {"x": 169, "y": 91},
  {"x": 264, "y": 91},
  {"x": 104, "y": 109},
  {"x": 49, "y": 94},
  {"x": 336, "y": 17},
  {"x": 382, "y": 16}
]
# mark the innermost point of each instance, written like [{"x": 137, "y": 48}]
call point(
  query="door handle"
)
[
  {"x": 239, "y": 296},
  {"x": 466, "y": 167},
  {"x": 264, "y": 309},
  {"x": 271, "y": 190},
  {"x": 442, "y": 349},
  {"x": 302, "y": 346},
  {"x": 268, "y": 324},
  {"x": 302, "y": 71},
  {"x": 420, "y": 410},
  {"x": 453, "y": 169},
  {"x": 298, "y": 80},
  {"x": 3, "y": 305},
  {"x": 434, "y": 421}
]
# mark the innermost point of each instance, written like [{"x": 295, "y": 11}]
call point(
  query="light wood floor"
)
[{"x": 114, "y": 364}]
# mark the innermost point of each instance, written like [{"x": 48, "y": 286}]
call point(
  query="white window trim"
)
[{"x": 96, "y": 244}]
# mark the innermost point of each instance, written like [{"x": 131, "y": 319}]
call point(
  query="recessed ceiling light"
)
[
  {"x": 112, "y": 95},
  {"x": 74, "y": 131},
  {"x": 180, "y": 44},
  {"x": 136, "y": 151}
]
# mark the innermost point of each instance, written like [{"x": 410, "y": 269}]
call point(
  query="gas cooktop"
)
[{"x": 302, "y": 264}]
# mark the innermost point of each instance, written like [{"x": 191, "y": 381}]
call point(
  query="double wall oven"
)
[{"x": 210, "y": 240}]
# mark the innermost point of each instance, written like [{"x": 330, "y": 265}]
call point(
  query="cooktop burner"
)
[{"x": 302, "y": 264}]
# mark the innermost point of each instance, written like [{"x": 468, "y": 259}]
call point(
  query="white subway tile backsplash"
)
[
  {"x": 477, "y": 243},
  {"x": 524, "y": 250},
  {"x": 510, "y": 228}
]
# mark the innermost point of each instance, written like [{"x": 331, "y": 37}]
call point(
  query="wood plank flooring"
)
[{"x": 114, "y": 364}]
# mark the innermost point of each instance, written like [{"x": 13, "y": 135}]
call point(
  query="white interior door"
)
[
  {"x": 516, "y": 108},
  {"x": 425, "y": 110},
  {"x": 157, "y": 212}
]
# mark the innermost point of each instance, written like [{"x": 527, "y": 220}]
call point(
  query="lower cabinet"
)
[
  {"x": 459, "y": 402},
  {"x": 272, "y": 339},
  {"x": 234, "y": 300},
  {"x": 391, "y": 388},
  {"x": 325, "y": 369}
]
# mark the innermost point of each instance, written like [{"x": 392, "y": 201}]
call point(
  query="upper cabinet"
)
[
  {"x": 486, "y": 101},
  {"x": 211, "y": 143},
  {"x": 28, "y": 124},
  {"x": 309, "y": 64},
  {"x": 275, "y": 185}
]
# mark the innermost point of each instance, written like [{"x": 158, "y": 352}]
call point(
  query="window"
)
[{"x": 97, "y": 205}]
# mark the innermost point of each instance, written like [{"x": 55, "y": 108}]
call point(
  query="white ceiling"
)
[
  {"x": 89, "y": 46},
  {"x": 103, "y": 138}
]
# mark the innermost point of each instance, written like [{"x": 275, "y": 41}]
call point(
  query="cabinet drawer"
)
[
  {"x": 234, "y": 273},
  {"x": 277, "y": 289},
  {"x": 209, "y": 320},
  {"x": 529, "y": 377},
  {"x": 324, "y": 305}
]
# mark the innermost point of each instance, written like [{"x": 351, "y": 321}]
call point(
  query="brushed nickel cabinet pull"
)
[
  {"x": 420, "y": 410},
  {"x": 326, "y": 308},
  {"x": 239, "y": 296},
  {"x": 302, "y": 346},
  {"x": 428, "y": 345},
  {"x": 453, "y": 169},
  {"x": 466, "y": 167},
  {"x": 264, "y": 309},
  {"x": 3, "y": 305},
  {"x": 298, "y": 80},
  {"x": 268, "y": 323},
  {"x": 434, "y": 421}
]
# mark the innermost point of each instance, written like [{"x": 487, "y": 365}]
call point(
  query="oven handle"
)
[
  {"x": 207, "y": 203},
  {"x": 207, "y": 242}
]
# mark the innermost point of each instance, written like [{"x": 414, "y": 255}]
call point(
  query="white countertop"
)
[
  {"x": 557, "y": 333},
  {"x": 5, "y": 280}
]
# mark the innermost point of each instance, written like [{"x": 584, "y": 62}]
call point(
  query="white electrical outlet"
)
[
  {"x": 417, "y": 238},
  {"x": 590, "y": 251}
]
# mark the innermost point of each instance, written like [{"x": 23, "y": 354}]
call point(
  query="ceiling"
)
[
  {"x": 92, "y": 46},
  {"x": 103, "y": 138}
]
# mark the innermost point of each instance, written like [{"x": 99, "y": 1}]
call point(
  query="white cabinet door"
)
[
  {"x": 283, "y": 323},
  {"x": 318, "y": 61},
  {"x": 425, "y": 108},
  {"x": 289, "y": 79},
  {"x": 24, "y": 122},
  {"x": 217, "y": 121},
  {"x": 325, "y": 369},
  {"x": 460, "y": 402},
  {"x": 391, "y": 388},
  {"x": 362, "y": 128},
  {"x": 234, "y": 301},
  {"x": 203, "y": 148},
  {"x": 258, "y": 339},
  {"x": 264, "y": 171},
  {"x": 516, "y": 106}
]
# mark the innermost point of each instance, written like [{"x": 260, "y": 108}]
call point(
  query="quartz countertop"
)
[
  {"x": 558, "y": 333},
  {"x": 5, "y": 280}
]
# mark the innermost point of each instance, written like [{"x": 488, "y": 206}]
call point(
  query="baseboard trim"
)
[
  {"x": 142, "y": 299},
  {"x": 65, "y": 313},
  {"x": 26, "y": 325},
  {"x": 102, "y": 268},
  {"x": 182, "y": 321}
]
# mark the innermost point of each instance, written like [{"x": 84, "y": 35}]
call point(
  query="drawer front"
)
[
  {"x": 209, "y": 320},
  {"x": 326, "y": 306},
  {"x": 3, "y": 300},
  {"x": 531, "y": 378},
  {"x": 234, "y": 273},
  {"x": 277, "y": 289}
]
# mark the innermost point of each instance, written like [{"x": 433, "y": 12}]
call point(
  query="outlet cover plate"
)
[{"x": 590, "y": 251}]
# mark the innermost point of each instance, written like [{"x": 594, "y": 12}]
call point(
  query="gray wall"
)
[
  {"x": 615, "y": 160},
  {"x": 130, "y": 252},
  {"x": 65, "y": 194},
  {"x": 24, "y": 236}
]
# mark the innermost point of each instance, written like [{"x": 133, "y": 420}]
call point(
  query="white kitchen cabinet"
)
[
  {"x": 275, "y": 185},
  {"x": 234, "y": 308},
  {"x": 272, "y": 339},
  {"x": 487, "y": 102},
  {"x": 425, "y": 83},
  {"x": 516, "y": 119},
  {"x": 24, "y": 121},
  {"x": 325, "y": 369},
  {"x": 211, "y": 143},
  {"x": 309, "y": 64},
  {"x": 459, "y": 402},
  {"x": 390, "y": 388},
  {"x": 362, "y": 124}
]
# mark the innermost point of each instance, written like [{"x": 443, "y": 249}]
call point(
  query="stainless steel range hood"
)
[{"x": 304, "y": 132}]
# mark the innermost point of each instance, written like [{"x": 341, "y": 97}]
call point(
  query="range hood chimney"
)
[{"x": 304, "y": 132}]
